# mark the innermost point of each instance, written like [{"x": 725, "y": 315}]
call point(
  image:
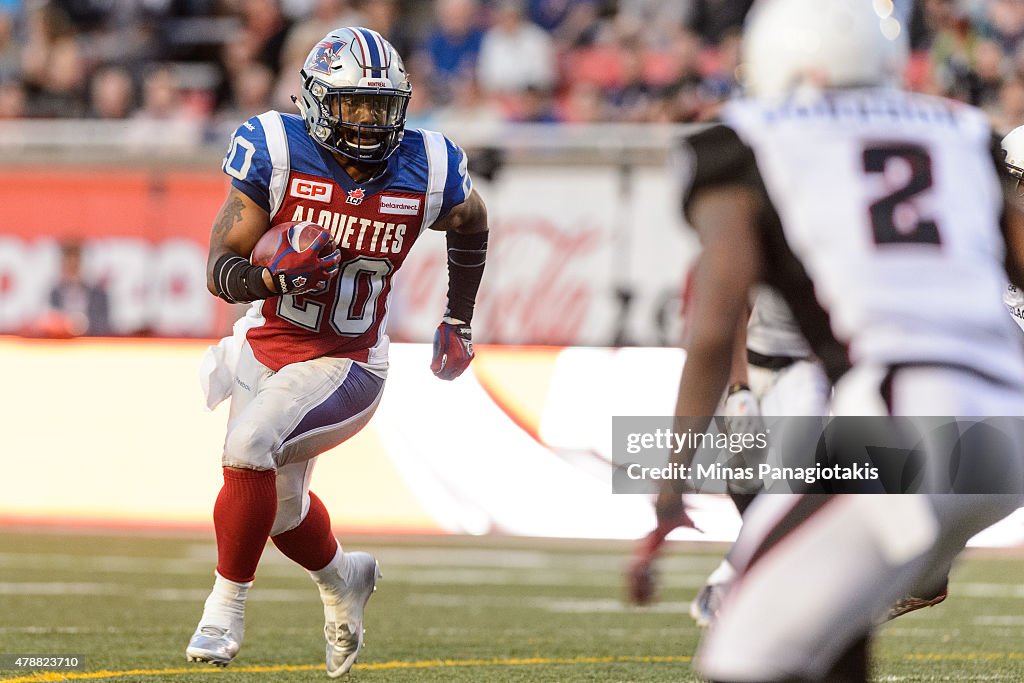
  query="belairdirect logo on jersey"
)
[
  {"x": 402, "y": 206},
  {"x": 819, "y": 455}
]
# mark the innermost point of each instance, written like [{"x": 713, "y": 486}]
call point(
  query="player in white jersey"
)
[
  {"x": 782, "y": 378},
  {"x": 1013, "y": 149},
  {"x": 882, "y": 218}
]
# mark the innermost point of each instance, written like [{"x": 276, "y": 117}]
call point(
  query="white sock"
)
[
  {"x": 226, "y": 602},
  {"x": 725, "y": 573},
  {"x": 334, "y": 576}
]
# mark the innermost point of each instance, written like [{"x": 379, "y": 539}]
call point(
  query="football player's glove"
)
[
  {"x": 671, "y": 514},
  {"x": 742, "y": 412},
  {"x": 453, "y": 349},
  {"x": 742, "y": 415},
  {"x": 308, "y": 271}
]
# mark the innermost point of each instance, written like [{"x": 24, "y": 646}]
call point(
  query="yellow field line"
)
[
  {"x": 372, "y": 666},
  {"x": 52, "y": 676},
  {"x": 964, "y": 656}
]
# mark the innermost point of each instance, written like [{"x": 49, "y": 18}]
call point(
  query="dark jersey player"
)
[{"x": 306, "y": 367}]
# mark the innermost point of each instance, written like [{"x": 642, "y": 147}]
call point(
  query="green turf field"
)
[{"x": 462, "y": 609}]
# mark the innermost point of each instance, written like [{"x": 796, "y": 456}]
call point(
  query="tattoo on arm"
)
[{"x": 230, "y": 214}]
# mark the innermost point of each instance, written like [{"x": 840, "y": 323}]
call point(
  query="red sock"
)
[
  {"x": 242, "y": 517},
  {"x": 311, "y": 543}
]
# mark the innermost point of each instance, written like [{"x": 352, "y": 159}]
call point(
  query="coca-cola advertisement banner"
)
[{"x": 579, "y": 255}]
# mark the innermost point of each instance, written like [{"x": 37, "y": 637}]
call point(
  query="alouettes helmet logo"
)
[
  {"x": 323, "y": 56},
  {"x": 356, "y": 196}
]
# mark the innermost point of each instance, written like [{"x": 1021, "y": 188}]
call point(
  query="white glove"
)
[
  {"x": 742, "y": 412},
  {"x": 742, "y": 415}
]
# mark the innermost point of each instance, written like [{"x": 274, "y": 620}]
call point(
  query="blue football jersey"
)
[{"x": 273, "y": 160}]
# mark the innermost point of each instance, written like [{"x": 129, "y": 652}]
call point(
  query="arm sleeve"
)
[
  {"x": 248, "y": 163},
  {"x": 457, "y": 184},
  {"x": 716, "y": 156}
]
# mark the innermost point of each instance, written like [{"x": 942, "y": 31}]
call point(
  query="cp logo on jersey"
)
[
  {"x": 323, "y": 55},
  {"x": 311, "y": 189}
]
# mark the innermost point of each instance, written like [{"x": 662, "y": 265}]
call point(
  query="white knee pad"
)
[{"x": 250, "y": 445}]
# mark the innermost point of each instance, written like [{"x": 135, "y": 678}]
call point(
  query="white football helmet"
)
[
  {"x": 790, "y": 45},
  {"x": 355, "y": 93},
  {"x": 1013, "y": 153}
]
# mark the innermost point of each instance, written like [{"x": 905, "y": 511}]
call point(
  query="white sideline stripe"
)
[
  {"x": 1000, "y": 620},
  {"x": 547, "y": 604},
  {"x": 130, "y": 565},
  {"x": 203, "y": 558},
  {"x": 157, "y": 594},
  {"x": 474, "y": 577},
  {"x": 989, "y": 590},
  {"x": 907, "y": 632}
]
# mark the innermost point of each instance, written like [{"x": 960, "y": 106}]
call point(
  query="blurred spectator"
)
[
  {"x": 584, "y": 103},
  {"x": 422, "y": 109},
  {"x": 52, "y": 64},
  {"x": 581, "y": 26},
  {"x": 652, "y": 21},
  {"x": 536, "y": 105},
  {"x": 952, "y": 54},
  {"x": 10, "y": 58},
  {"x": 253, "y": 87},
  {"x": 721, "y": 79},
  {"x": 13, "y": 100},
  {"x": 927, "y": 19},
  {"x": 515, "y": 55},
  {"x": 327, "y": 15},
  {"x": 1003, "y": 22},
  {"x": 468, "y": 106},
  {"x": 76, "y": 306},
  {"x": 383, "y": 17},
  {"x": 631, "y": 100},
  {"x": 1010, "y": 112},
  {"x": 990, "y": 65},
  {"x": 452, "y": 47},
  {"x": 161, "y": 96},
  {"x": 712, "y": 19},
  {"x": 164, "y": 117},
  {"x": 549, "y": 14},
  {"x": 568, "y": 60},
  {"x": 265, "y": 26},
  {"x": 682, "y": 95},
  {"x": 111, "y": 94}
]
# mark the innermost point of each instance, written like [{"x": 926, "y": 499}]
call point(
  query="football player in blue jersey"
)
[{"x": 306, "y": 367}]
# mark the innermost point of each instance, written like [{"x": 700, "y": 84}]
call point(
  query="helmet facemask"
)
[
  {"x": 360, "y": 123},
  {"x": 1013, "y": 157}
]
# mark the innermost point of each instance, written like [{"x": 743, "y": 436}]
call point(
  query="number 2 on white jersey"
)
[{"x": 885, "y": 227}]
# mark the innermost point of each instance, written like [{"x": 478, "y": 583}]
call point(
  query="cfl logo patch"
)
[{"x": 311, "y": 189}]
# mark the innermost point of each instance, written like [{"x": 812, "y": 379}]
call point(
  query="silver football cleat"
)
[
  {"x": 343, "y": 612},
  {"x": 704, "y": 608},
  {"x": 214, "y": 645}
]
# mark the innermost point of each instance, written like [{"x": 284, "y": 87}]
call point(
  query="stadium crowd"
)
[{"x": 505, "y": 60}]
